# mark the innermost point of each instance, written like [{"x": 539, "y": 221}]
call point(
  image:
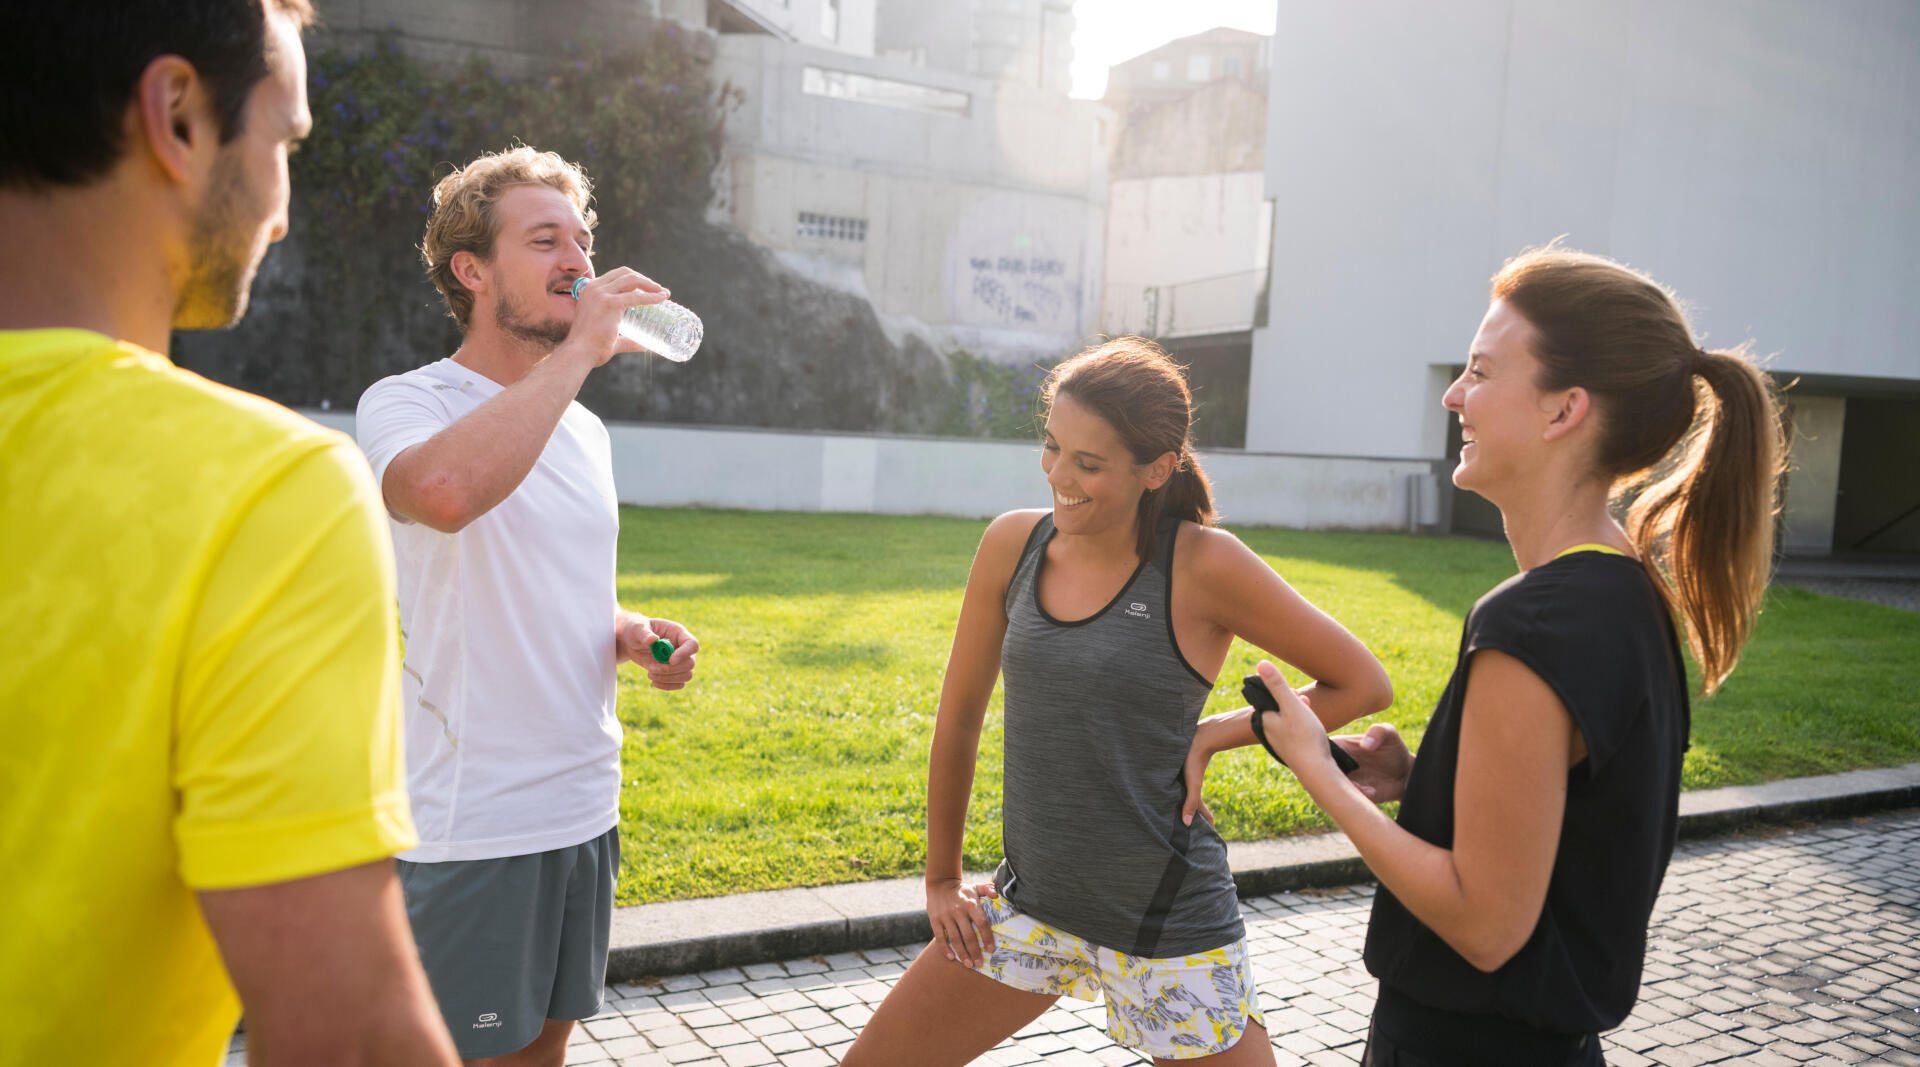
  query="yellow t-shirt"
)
[{"x": 198, "y": 688}]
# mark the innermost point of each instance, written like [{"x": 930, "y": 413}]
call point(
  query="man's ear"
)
[
  {"x": 172, "y": 117},
  {"x": 468, "y": 270},
  {"x": 1569, "y": 411}
]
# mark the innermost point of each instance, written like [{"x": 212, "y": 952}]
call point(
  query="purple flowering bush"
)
[
  {"x": 344, "y": 300},
  {"x": 644, "y": 122}
]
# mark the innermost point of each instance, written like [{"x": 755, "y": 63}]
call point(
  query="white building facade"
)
[
  {"x": 1188, "y": 221},
  {"x": 1762, "y": 159}
]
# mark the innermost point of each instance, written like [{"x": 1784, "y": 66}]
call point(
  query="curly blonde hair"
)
[{"x": 463, "y": 218}]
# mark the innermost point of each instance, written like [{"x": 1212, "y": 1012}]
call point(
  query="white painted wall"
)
[
  {"x": 1177, "y": 228},
  {"x": 1186, "y": 254},
  {"x": 1761, "y": 158},
  {"x": 681, "y": 466}
]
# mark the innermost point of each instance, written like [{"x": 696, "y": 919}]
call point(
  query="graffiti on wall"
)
[
  {"x": 1019, "y": 290},
  {"x": 1015, "y": 273}
]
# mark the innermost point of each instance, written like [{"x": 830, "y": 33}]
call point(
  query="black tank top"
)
[
  {"x": 1100, "y": 713},
  {"x": 1595, "y": 629}
]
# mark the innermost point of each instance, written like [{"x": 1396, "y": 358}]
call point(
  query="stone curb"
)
[{"x": 685, "y": 936}]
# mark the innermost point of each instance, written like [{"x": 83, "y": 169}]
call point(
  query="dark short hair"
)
[{"x": 68, "y": 71}]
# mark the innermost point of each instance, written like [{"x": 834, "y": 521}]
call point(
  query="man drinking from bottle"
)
[{"x": 499, "y": 490}]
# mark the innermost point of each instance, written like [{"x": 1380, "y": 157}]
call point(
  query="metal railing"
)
[{"x": 1221, "y": 304}]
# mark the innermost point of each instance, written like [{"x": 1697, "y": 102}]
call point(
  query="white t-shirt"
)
[{"x": 508, "y": 683}]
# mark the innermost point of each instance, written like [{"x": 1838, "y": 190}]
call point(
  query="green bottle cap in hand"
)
[{"x": 662, "y": 649}]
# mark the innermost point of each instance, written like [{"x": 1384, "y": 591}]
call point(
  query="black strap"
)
[
  {"x": 1164, "y": 536},
  {"x": 1255, "y": 692},
  {"x": 1036, "y": 538},
  {"x": 1260, "y": 735}
]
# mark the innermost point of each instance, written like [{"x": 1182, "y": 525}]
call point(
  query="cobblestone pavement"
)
[
  {"x": 1797, "y": 947},
  {"x": 1895, "y": 592}
]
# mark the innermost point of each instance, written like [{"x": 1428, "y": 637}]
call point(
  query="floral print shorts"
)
[{"x": 1178, "y": 1008}]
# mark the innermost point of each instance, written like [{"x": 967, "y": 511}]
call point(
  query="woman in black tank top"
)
[
  {"x": 1108, "y": 617},
  {"x": 1534, "y": 829}
]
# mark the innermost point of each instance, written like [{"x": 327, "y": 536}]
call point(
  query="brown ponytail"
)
[
  {"x": 1138, "y": 389},
  {"x": 1693, "y": 438}
]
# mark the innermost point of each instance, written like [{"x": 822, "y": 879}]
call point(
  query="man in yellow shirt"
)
[{"x": 201, "y": 781}]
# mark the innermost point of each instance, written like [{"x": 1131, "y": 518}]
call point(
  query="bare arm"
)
[
  {"x": 1243, "y": 596},
  {"x": 327, "y": 971},
  {"x": 972, "y": 667},
  {"x": 1484, "y": 895},
  {"x": 467, "y": 469}
]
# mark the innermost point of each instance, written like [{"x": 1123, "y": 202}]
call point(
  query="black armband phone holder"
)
[{"x": 1261, "y": 698}]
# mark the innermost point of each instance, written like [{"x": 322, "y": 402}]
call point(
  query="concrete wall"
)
[
  {"x": 1219, "y": 128},
  {"x": 854, "y": 30},
  {"x": 1013, "y": 135},
  {"x": 1025, "y": 41},
  {"x": 793, "y": 20},
  {"x": 512, "y": 34},
  {"x": 1879, "y": 505},
  {"x": 1166, "y": 230},
  {"x": 985, "y": 228},
  {"x": 671, "y": 466},
  {"x": 1131, "y": 82},
  {"x": 1760, "y": 158},
  {"x": 1188, "y": 222},
  {"x": 1813, "y": 486}
]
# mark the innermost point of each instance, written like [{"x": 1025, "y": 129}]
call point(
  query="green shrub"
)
[
  {"x": 345, "y": 301},
  {"x": 995, "y": 399},
  {"x": 645, "y": 123}
]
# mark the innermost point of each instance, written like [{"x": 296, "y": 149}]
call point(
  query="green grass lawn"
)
[{"x": 798, "y": 755}]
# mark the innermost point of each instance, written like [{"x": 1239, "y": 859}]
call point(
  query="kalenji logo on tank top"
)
[
  {"x": 488, "y": 1021},
  {"x": 1138, "y": 611}
]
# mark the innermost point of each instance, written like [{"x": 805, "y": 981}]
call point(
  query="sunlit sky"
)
[{"x": 1107, "y": 32}]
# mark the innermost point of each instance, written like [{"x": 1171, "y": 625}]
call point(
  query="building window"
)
[
  {"x": 1230, "y": 67},
  {"x": 866, "y": 89},
  {"x": 830, "y": 19},
  {"x": 1199, "y": 67},
  {"x": 1162, "y": 70},
  {"x": 831, "y": 227}
]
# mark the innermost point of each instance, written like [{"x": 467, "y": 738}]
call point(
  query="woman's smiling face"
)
[
  {"x": 1503, "y": 413},
  {"x": 1096, "y": 483}
]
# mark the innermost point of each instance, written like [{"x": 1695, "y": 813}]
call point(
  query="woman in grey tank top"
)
[{"x": 1108, "y": 616}]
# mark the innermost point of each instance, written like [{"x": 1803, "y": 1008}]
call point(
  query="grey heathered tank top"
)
[{"x": 1099, "y": 715}]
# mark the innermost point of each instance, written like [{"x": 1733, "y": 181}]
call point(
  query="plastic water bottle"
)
[{"x": 665, "y": 329}]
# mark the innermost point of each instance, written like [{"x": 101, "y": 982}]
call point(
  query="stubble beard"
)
[
  {"x": 223, "y": 256},
  {"x": 522, "y": 326}
]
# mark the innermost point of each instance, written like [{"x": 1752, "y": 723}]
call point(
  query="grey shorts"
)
[{"x": 509, "y": 943}]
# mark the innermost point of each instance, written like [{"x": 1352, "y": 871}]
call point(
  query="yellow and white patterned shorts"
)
[{"x": 1177, "y": 1008}]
